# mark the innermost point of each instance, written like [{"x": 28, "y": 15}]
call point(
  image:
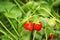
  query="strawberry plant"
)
[{"x": 29, "y": 20}]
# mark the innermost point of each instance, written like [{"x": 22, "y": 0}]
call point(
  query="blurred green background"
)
[{"x": 14, "y": 13}]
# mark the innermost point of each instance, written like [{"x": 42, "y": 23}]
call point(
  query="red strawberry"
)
[
  {"x": 37, "y": 26},
  {"x": 28, "y": 25},
  {"x": 51, "y": 36}
]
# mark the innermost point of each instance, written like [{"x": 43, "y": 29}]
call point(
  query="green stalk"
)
[
  {"x": 46, "y": 34},
  {"x": 18, "y": 27},
  {"x": 25, "y": 19},
  {"x": 20, "y": 2},
  {"x": 8, "y": 30},
  {"x": 21, "y": 10},
  {"x": 46, "y": 37},
  {"x": 51, "y": 14},
  {"x": 55, "y": 3},
  {"x": 6, "y": 34},
  {"x": 19, "y": 6},
  {"x": 34, "y": 34},
  {"x": 12, "y": 26}
]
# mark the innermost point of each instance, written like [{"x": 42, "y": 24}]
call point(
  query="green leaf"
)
[
  {"x": 44, "y": 13},
  {"x": 4, "y": 38},
  {"x": 6, "y": 5},
  {"x": 38, "y": 37},
  {"x": 26, "y": 35},
  {"x": 2, "y": 9},
  {"x": 44, "y": 4},
  {"x": 56, "y": 3},
  {"x": 28, "y": 6},
  {"x": 28, "y": 13},
  {"x": 14, "y": 13},
  {"x": 31, "y": 5},
  {"x": 44, "y": 20}
]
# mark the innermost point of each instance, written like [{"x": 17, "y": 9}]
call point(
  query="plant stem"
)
[
  {"x": 8, "y": 30},
  {"x": 20, "y": 2},
  {"x": 25, "y": 19},
  {"x": 12, "y": 26},
  {"x": 31, "y": 36},
  {"x": 18, "y": 28},
  {"x": 34, "y": 35},
  {"x": 6, "y": 34},
  {"x": 50, "y": 14},
  {"x": 46, "y": 34},
  {"x": 19, "y": 6}
]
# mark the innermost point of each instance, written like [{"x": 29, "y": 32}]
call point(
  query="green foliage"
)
[
  {"x": 6, "y": 5},
  {"x": 14, "y": 13}
]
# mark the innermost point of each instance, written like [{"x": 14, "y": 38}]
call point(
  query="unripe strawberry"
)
[
  {"x": 51, "y": 22},
  {"x": 51, "y": 36}
]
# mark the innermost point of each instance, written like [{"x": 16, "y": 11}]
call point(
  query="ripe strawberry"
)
[
  {"x": 37, "y": 26},
  {"x": 51, "y": 36},
  {"x": 28, "y": 25}
]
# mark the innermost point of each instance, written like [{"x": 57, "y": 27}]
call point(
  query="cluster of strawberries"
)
[{"x": 30, "y": 26}]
